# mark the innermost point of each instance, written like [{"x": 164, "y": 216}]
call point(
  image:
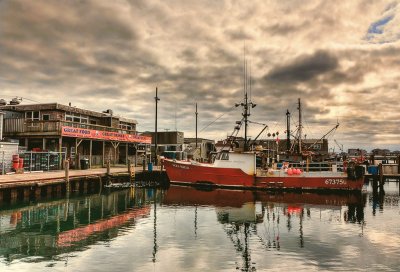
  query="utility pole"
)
[
  {"x": 287, "y": 130},
  {"x": 155, "y": 134},
  {"x": 196, "y": 125}
]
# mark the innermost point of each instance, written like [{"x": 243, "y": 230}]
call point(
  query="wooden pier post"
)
[
  {"x": 27, "y": 193},
  {"x": 13, "y": 195},
  {"x": 49, "y": 191},
  {"x": 131, "y": 170},
  {"x": 398, "y": 164},
  {"x": 58, "y": 190},
  {"x": 38, "y": 192},
  {"x": 381, "y": 180},
  {"x": 67, "y": 185},
  {"x": 76, "y": 187},
  {"x": 108, "y": 168}
]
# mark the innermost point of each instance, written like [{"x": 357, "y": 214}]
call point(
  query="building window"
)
[
  {"x": 76, "y": 117},
  {"x": 46, "y": 117},
  {"x": 316, "y": 147},
  {"x": 126, "y": 126},
  {"x": 32, "y": 115}
]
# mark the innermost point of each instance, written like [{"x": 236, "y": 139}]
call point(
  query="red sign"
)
[{"x": 103, "y": 135}]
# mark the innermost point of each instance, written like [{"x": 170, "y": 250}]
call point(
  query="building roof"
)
[
  {"x": 61, "y": 107},
  {"x": 192, "y": 140}
]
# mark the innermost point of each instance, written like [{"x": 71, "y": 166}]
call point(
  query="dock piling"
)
[
  {"x": 108, "y": 168},
  {"x": 67, "y": 185}
]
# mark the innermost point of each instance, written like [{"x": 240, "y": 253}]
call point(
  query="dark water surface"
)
[{"x": 183, "y": 229}]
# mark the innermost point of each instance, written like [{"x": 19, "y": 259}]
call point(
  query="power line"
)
[{"x": 216, "y": 119}]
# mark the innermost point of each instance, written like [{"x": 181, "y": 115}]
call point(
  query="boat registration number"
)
[{"x": 335, "y": 181}]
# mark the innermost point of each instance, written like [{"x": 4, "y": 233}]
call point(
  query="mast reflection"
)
[{"x": 248, "y": 216}]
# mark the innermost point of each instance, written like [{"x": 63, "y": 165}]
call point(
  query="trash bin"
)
[
  {"x": 84, "y": 164},
  {"x": 150, "y": 166},
  {"x": 373, "y": 169}
]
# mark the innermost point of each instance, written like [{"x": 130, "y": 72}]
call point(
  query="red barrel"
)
[
  {"x": 15, "y": 161},
  {"x": 21, "y": 163}
]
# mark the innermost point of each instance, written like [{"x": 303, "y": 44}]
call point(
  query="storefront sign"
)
[{"x": 103, "y": 135}]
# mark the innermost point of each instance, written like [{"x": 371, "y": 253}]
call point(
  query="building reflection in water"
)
[
  {"x": 45, "y": 229},
  {"x": 249, "y": 219}
]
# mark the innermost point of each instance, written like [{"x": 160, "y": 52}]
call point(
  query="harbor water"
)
[{"x": 186, "y": 229}]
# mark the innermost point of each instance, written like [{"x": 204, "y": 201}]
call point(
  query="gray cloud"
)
[
  {"x": 102, "y": 54},
  {"x": 304, "y": 68}
]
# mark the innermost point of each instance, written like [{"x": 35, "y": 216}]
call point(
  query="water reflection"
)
[
  {"x": 258, "y": 216},
  {"x": 45, "y": 229},
  {"x": 184, "y": 229}
]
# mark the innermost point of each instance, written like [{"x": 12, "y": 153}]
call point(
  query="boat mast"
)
[
  {"x": 245, "y": 114},
  {"x": 246, "y": 104},
  {"x": 287, "y": 130},
  {"x": 196, "y": 124},
  {"x": 300, "y": 126}
]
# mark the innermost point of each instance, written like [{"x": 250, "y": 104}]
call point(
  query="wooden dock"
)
[
  {"x": 54, "y": 177},
  {"x": 36, "y": 185}
]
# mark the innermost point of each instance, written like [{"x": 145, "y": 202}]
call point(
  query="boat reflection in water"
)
[
  {"x": 53, "y": 227},
  {"x": 261, "y": 216}
]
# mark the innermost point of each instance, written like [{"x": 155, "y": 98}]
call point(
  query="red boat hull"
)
[
  {"x": 192, "y": 174},
  {"x": 195, "y": 174}
]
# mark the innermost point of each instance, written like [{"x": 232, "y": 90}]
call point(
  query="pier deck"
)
[
  {"x": 52, "y": 177},
  {"x": 56, "y": 177}
]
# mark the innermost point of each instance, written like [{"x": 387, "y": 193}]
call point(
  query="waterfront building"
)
[
  {"x": 203, "y": 150},
  {"x": 79, "y": 134}
]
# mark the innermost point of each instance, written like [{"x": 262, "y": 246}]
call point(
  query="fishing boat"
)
[{"x": 238, "y": 169}]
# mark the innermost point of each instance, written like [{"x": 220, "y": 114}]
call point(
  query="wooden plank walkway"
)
[{"x": 33, "y": 178}]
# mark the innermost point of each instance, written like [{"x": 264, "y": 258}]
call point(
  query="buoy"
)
[{"x": 290, "y": 171}]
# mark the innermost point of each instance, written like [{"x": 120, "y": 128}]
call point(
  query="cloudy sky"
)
[{"x": 340, "y": 57}]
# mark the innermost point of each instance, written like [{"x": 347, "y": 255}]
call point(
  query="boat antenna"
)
[
  {"x": 246, "y": 104},
  {"x": 300, "y": 125}
]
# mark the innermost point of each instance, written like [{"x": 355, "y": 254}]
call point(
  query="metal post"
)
[
  {"x": 90, "y": 153},
  {"x": 196, "y": 125},
  {"x": 104, "y": 151},
  {"x": 155, "y": 134},
  {"x": 136, "y": 146},
  {"x": 3, "y": 170},
  {"x": 300, "y": 126}
]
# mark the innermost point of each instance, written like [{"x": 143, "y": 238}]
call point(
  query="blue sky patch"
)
[{"x": 377, "y": 27}]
